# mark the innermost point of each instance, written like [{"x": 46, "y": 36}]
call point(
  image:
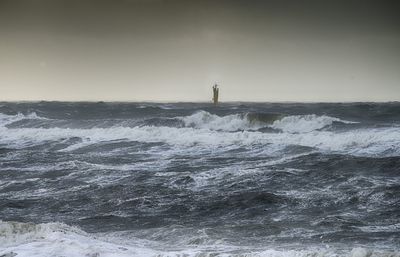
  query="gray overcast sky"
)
[{"x": 154, "y": 50}]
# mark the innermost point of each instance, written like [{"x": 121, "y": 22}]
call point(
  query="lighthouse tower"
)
[{"x": 215, "y": 94}]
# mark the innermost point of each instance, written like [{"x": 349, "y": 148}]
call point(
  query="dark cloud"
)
[{"x": 122, "y": 17}]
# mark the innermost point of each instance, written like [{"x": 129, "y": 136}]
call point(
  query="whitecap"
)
[
  {"x": 361, "y": 142},
  {"x": 305, "y": 123},
  {"x": 206, "y": 120},
  {"x": 8, "y": 119}
]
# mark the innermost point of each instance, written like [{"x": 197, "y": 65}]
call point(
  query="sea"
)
[{"x": 100, "y": 179}]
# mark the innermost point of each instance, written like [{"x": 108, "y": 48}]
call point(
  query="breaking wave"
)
[
  {"x": 384, "y": 141},
  {"x": 57, "y": 239},
  {"x": 209, "y": 130},
  {"x": 255, "y": 121},
  {"x": 233, "y": 122},
  {"x": 230, "y": 123},
  {"x": 306, "y": 123}
]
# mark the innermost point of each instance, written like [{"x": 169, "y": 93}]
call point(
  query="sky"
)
[{"x": 175, "y": 50}]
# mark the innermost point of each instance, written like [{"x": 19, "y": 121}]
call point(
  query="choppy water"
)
[{"x": 140, "y": 179}]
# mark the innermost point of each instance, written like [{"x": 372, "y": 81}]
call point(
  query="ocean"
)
[{"x": 190, "y": 179}]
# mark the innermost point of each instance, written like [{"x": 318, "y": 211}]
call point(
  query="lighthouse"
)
[{"x": 215, "y": 94}]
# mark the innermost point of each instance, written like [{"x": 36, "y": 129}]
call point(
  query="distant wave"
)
[
  {"x": 206, "y": 120},
  {"x": 255, "y": 121},
  {"x": 8, "y": 119},
  {"x": 46, "y": 239},
  {"x": 233, "y": 122},
  {"x": 306, "y": 123}
]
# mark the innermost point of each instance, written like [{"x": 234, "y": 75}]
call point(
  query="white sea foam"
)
[
  {"x": 305, "y": 123},
  {"x": 206, "y": 120},
  {"x": 205, "y": 130},
  {"x": 8, "y": 119},
  {"x": 369, "y": 142},
  {"x": 56, "y": 239},
  {"x": 388, "y": 228},
  {"x": 235, "y": 122}
]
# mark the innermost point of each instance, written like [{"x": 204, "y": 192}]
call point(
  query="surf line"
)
[{"x": 215, "y": 94}]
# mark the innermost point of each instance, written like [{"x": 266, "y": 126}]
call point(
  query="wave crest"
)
[
  {"x": 9, "y": 119},
  {"x": 255, "y": 121},
  {"x": 306, "y": 123},
  {"x": 232, "y": 122},
  {"x": 206, "y": 120}
]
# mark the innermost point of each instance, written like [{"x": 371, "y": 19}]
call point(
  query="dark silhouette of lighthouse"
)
[{"x": 215, "y": 94}]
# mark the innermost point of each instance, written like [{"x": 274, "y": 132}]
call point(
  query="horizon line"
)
[{"x": 200, "y": 102}]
